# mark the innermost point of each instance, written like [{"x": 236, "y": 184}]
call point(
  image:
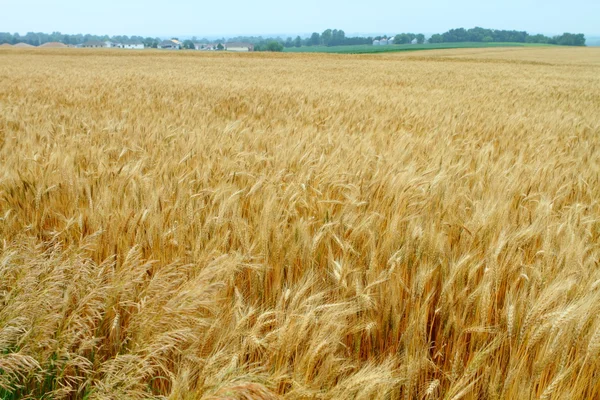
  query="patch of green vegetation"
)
[{"x": 367, "y": 48}]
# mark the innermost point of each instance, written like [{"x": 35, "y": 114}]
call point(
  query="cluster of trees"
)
[
  {"x": 269, "y": 45},
  {"x": 478, "y": 34},
  {"x": 335, "y": 37},
  {"x": 406, "y": 38},
  {"x": 329, "y": 37}
]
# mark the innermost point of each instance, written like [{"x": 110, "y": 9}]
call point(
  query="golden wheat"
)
[{"x": 260, "y": 226}]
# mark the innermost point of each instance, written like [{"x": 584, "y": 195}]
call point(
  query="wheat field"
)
[{"x": 300, "y": 226}]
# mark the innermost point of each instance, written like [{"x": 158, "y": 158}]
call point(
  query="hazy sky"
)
[{"x": 231, "y": 17}]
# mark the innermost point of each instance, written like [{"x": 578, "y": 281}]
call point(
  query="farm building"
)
[
  {"x": 96, "y": 44},
  {"x": 129, "y": 45},
  {"x": 133, "y": 45},
  {"x": 383, "y": 42},
  {"x": 57, "y": 45},
  {"x": 376, "y": 42},
  {"x": 172, "y": 44},
  {"x": 204, "y": 46},
  {"x": 237, "y": 46}
]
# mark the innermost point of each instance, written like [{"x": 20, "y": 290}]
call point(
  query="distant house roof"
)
[
  {"x": 23, "y": 45},
  {"x": 6, "y": 45},
  {"x": 170, "y": 43},
  {"x": 239, "y": 44}
]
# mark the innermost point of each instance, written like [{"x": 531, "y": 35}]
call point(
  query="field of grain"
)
[{"x": 302, "y": 226}]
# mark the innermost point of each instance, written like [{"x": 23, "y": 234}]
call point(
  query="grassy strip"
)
[{"x": 365, "y": 49}]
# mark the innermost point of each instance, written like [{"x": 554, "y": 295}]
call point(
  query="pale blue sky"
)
[{"x": 232, "y": 17}]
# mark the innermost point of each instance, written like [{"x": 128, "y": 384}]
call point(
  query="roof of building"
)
[
  {"x": 170, "y": 42},
  {"x": 23, "y": 45},
  {"x": 6, "y": 45},
  {"x": 54, "y": 44},
  {"x": 95, "y": 43},
  {"x": 239, "y": 44}
]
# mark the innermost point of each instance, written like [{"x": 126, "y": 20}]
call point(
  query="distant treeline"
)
[
  {"x": 495, "y": 35},
  {"x": 329, "y": 37},
  {"x": 337, "y": 37}
]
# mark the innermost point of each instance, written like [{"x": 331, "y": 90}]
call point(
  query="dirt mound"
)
[
  {"x": 54, "y": 45},
  {"x": 23, "y": 45}
]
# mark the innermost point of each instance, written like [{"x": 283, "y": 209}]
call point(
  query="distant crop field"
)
[
  {"x": 367, "y": 48},
  {"x": 300, "y": 226}
]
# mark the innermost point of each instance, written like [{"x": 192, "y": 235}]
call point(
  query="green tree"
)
[
  {"x": 188, "y": 44},
  {"x": 289, "y": 42},
  {"x": 315, "y": 39},
  {"x": 274, "y": 45},
  {"x": 338, "y": 37},
  {"x": 420, "y": 38},
  {"x": 402, "y": 38},
  {"x": 220, "y": 47},
  {"x": 437, "y": 38},
  {"x": 298, "y": 41},
  {"x": 326, "y": 37},
  {"x": 570, "y": 39}
]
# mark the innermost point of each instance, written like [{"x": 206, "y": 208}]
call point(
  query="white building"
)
[
  {"x": 133, "y": 45},
  {"x": 236, "y": 46},
  {"x": 170, "y": 44},
  {"x": 96, "y": 44},
  {"x": 376, "y": 43},
  {"x": 204, "y": 46}
]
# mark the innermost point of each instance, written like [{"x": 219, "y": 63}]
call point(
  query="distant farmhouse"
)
[
  {"x": 134, "y": 45},
  {"x": 237, "y": 46},
  {"x": 96, "y": 44},
  {"x": 205, "y": 46},
  {"x": 109, "y": 45},
  {"x": 383, "y": 42},
  {"x": 172, "y": 44}
]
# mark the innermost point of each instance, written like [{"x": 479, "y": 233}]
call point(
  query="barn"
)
[
  {"x": 172, "y": 44},
  {"x": 238, "y": 46},
  {"x": 96, "y": 44}
]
